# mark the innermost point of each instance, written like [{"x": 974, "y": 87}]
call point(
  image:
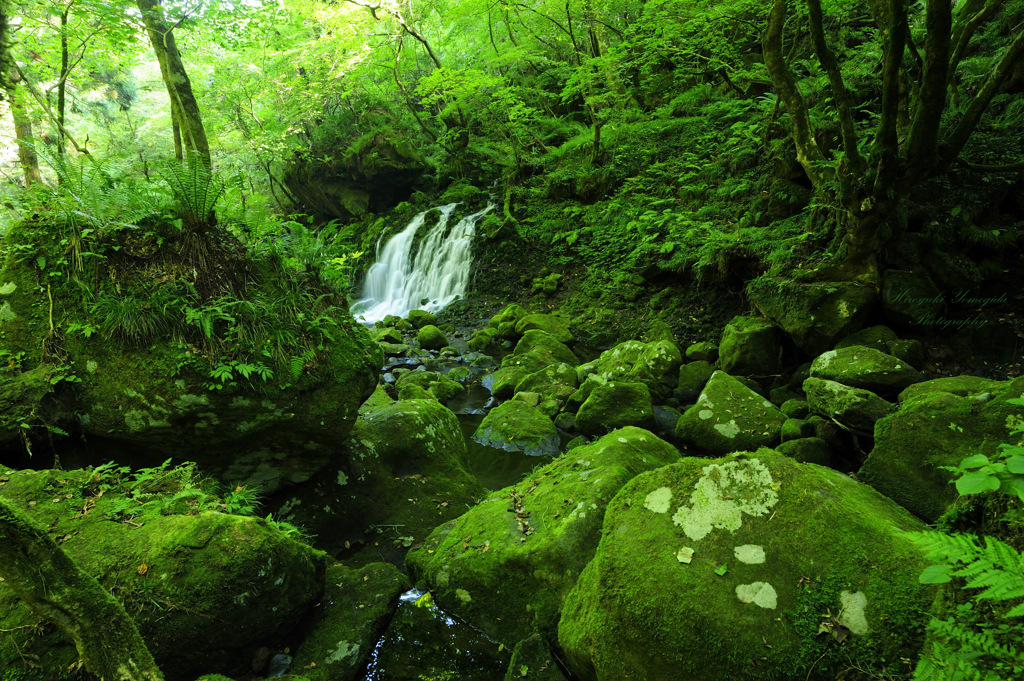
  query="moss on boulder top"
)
[
  {"x": 862, "y": 367},
  {"x": 556, "y": 326},
  {"x": 751, "y": 567},
  {"x": 853, "y": 407},
  {"x": 729, "y": 417},
  {"x": 656, "y": 365},
  {"x": 506, "y": 565},
  {"x": 615, "y": 404},
  {"x": 181, "y": 572},
  {"x": 536, "y": 350},
  {"x": 516, "y": 426}
]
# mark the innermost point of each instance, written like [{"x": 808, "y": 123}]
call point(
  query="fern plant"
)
[
  {"x": 197, "y": 190},
  {"x": 977, "y": 642}
]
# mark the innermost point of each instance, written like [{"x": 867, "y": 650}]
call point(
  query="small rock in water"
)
[{"x": 279, "y": 665}]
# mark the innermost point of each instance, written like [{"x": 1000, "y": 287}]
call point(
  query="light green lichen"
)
[
  {"x": 729, "y": 430},
  {"x": 761, "y": 594},
  {"x": 463, "y": 595},
  {"x": 852, "y": 615},
  {"x": 343, "y": 650},
  {"x": 751, "y": 554},
  {"x": 659, "y": 500},
  {"x": 684, "y": 555},
  {"x": 723, "y": 494}
]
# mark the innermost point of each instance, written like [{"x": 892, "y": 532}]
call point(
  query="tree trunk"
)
[
  {"x": 55, "y": 588},
  {"x": 179, "y": 88},
  {"x": 23, "y": 134}
]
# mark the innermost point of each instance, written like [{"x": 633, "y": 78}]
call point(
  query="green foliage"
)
[
  {"x": 196, "y": 188},
  {"x": 167, "y": 489},
  {"x": 975, "y": 642}
]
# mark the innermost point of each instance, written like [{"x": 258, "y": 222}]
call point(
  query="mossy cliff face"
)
[
  {"x": 159, "y": 396},
  {"x": 729, "y": 569},
  {"x": 506, "y": 565},
  {"x": 203, "y": 589}
]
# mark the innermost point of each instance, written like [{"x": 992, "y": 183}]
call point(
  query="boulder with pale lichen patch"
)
[{"x": 746, "y": 568}]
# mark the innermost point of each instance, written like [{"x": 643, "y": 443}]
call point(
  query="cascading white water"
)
[{"x": 439, "y": 273}]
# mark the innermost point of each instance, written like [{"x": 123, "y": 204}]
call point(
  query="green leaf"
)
[
  {"x": 723, "y": 568},
  {"x": 936, "y": 574},
  {"x": 976, "y": 461},
  {"x": 977, "y": 482},
  {"x": 1015, "y": 464}
]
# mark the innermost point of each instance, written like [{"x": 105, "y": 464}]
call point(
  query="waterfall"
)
[{"x": 397, "y": 282}]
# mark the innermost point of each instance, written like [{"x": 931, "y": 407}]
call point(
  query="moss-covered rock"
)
[
  {"x": 180, "y": 577},
  {"x": 431, "y": 338},
  {"x": 615, "y": 404},
  {"x": 506, "y": 565},
  {"x": 536, "y": 350},
  {"x": 807, "y": 450},
  {"x": 656, "y": 365},
  {"x": 386, "y": 334},
  {"x": 348, "y": 620},
  {"x": 934, "y": 428},
  {"x": 750, "y": 345},
  {"x": 795, "y": 408},
  {"x": 961, "y": 386},
  {"x": 542, "y": 343},
  {"x": 556, "y": 326},
  {"x": 703, "y": 351},
  {"x": 729, "y": 417},
  {"x": 693, "y": 376},
  {"x": 531, "y": 660},
  {"x": 555, "y": 381},
  {"x": 862, "y": 367},
  {"x": 420, "y": 318},
  {"x": 876, "y": 337},
  {"x": 751, "y": 567},
  {"x": 404, "y": 469},
  {"x": 794, "y": 429},
  {"x": 516, "y": 426},
  {"x": 437, "y": 385},
  {"x": 815, "y": 314},
  {"x": 853, "y": 407}
]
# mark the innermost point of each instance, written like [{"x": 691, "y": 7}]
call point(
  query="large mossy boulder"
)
[
  {"x": 729, "y": 417},
  {"x": 505, "y": 566},
  {"x": 655, "y": 364},
  {"x": 348, "y": 620},
  {"x": 404, "y": 468},
  {"x": 180, "y": 571},
  {"x": 862, "y": 367},
  {"x": 749, "y": 568},
  {"x": 815, "y": 314},
  {"x": 940, "y": 424},
  {"x": 613, "y": 405},
  {"x": 555, "y": 381},
  {"x": 516, "y": 426},
  {"x": 750, "y": 346}
]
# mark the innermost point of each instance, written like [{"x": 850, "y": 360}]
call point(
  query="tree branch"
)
[
  {"x": 954, "y": 144},
  {"x": 886, "y": 140},
  {"x": 839, "y": 91},
  {"x": 923, "y": 145},
  {"x": 785, "y": 84}
]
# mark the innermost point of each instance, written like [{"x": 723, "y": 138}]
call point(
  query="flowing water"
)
[{"x": 438, "y": 273}]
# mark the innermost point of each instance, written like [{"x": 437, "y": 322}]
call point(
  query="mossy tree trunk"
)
[
  {"x": 43, "y": 576},
  {"x": 908, "y": 146},
  {"x": 23, "y": 134},
  {"x": 184, "y": 106}
]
